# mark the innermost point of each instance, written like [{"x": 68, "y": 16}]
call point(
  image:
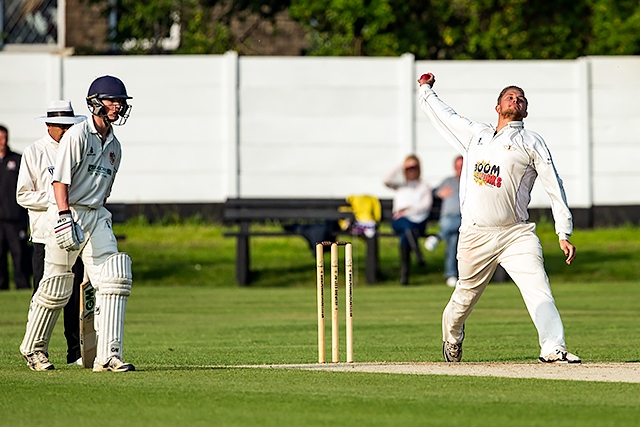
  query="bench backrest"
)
[
  {"x": 253, "y": 209},
  {"x": 238, "y": 210}
]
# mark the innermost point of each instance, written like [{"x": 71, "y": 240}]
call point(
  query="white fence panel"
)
[
  {"x": 27, "y": 83},
  {"x": 316, "y": 127},
  {"x": 615, "y": 89},
  {"x": 204, "y": 128},
  {"x": 174, "y": 146}
]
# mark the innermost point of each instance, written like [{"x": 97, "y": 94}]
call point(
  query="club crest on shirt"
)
[
  {"x": 487, "y": 174},
  {"x": 112, "y": 158},
  {"x": 12, "y": 165},
  {"x": 510, "y": 146},
  {"x": 51, "y": 169}
]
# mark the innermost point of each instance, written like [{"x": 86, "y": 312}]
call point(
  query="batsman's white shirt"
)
[
  {"x": 34, "y": 184},
  {"x": 504, "y": 166},
  {"x": 88, "y": 165},
  {"x": 91, "y": 165}
]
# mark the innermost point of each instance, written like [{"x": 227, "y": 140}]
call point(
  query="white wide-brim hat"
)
[{"x": 61, "y": 113}]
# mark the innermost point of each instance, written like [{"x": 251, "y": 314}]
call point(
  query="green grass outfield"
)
[{"x": 188, "y": 325}]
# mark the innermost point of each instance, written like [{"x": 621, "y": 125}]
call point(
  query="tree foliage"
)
[
  {"x": 430, "y": 29},
  {"x": 471, "y": 29},
  {"x": 523, "y": 29},
  {"x": 615, "y": 27},
  {"x": 447, "y": 29},
  {"x": 347, "y": 27},
  {"x": 205, "y": 25}
]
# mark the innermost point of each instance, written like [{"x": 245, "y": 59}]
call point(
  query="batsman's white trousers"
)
[
  {"x": 517, "y": 248},
  {"x": 99, "y": 243}
]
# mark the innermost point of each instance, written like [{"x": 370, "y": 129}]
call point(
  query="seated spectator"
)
[
  {"x": 411, "y": 207},
  {"x": 450, "y": 220}
]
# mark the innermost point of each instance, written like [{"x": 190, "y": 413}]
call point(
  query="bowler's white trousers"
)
[{"x": 517, "y": 249}]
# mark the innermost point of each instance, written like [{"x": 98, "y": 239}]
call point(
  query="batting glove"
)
[{"x": 69, "y": 235}]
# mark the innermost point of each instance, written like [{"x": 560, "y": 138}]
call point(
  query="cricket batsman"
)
[
  {"x": 500, "y": 167},
  {"x": 80, "y": 226}
]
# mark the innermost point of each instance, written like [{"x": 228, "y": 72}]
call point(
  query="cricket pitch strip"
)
[{"x": 607, "y": 372}]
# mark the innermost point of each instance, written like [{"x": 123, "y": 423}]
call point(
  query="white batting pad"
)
[
  {"x": 52, "y": 295},
  {"x": 111, "y": 302},
  {"x": 116, "y": 276}
]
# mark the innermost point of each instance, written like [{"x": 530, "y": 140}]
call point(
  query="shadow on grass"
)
[
  {"x": 591, "y": 265},
  {"x": 282, "y": 277},
  {"x": 167, "y": 368}
]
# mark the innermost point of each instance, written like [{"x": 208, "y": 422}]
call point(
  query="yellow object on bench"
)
[{"x": 367, "y": 212}]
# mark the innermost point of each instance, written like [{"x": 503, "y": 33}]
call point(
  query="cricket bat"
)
[{"x": 87, "y": 329}]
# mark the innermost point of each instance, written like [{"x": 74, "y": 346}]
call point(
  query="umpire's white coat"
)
[
  {"x": 495, "y": 189},
  {"x": 34, "y": 184}
]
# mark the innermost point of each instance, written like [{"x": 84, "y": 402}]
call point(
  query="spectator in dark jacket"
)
[{"x": 13, "y": 219}]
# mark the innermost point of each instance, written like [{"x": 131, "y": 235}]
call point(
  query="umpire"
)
[{"x": 13, "y": 219}]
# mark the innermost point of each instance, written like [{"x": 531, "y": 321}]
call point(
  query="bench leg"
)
[
  {"x": 243, "y": 256},
  {"x": 415, "y": 247},
  {"x": 371, "y": 268}
]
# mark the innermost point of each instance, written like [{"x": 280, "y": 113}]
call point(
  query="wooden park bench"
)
[{"x": 244, "y": 212}]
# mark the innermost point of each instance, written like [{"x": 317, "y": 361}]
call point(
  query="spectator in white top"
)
[{"x": 412, "y": 203}]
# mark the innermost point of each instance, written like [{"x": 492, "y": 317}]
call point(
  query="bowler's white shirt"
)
[{"x": 500, "y": 168}]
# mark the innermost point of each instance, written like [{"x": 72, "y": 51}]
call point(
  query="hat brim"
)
[{"x": 62, "y": 120}]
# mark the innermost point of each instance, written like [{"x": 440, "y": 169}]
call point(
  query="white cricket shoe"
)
[
  {"x": 39, "y": 361},
  {"x": 560, "y": 356},
  {"x": 114, "y": 364},
  {"x": 431, "y": 243},
  {"x": 452, "y": 352},
  {"x": 452, "y": 281},
  {"x": 77, "y": 362}
]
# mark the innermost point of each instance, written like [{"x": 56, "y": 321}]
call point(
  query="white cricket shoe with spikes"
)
[
  {"x": 431, "y": 242},
  {"x": 452, "y": 352},
  {"x": 39, "y": 361},
  {"x": 560, "y": 356},
  {"x": 114, "y": 364}
]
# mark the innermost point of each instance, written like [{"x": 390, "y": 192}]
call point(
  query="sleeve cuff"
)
[{"x": 424, "y": 88}]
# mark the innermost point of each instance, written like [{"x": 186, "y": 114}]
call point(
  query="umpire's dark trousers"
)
[
  {"x": 72, "y": 309},
  {"x": 13, "y": 238}
]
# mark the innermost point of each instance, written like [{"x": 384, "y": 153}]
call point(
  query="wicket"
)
[{"x": 335, "y": 332}]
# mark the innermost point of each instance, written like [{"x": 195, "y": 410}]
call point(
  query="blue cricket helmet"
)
[{"x": 107, "y": 87}]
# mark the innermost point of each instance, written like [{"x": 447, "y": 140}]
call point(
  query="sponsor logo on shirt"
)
[
  {"x": 51, "y": 169},
  {"x": 487, "y": 174},
  {"x": 91, "y": 152},
  {"x": 96, "y": 170}
]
